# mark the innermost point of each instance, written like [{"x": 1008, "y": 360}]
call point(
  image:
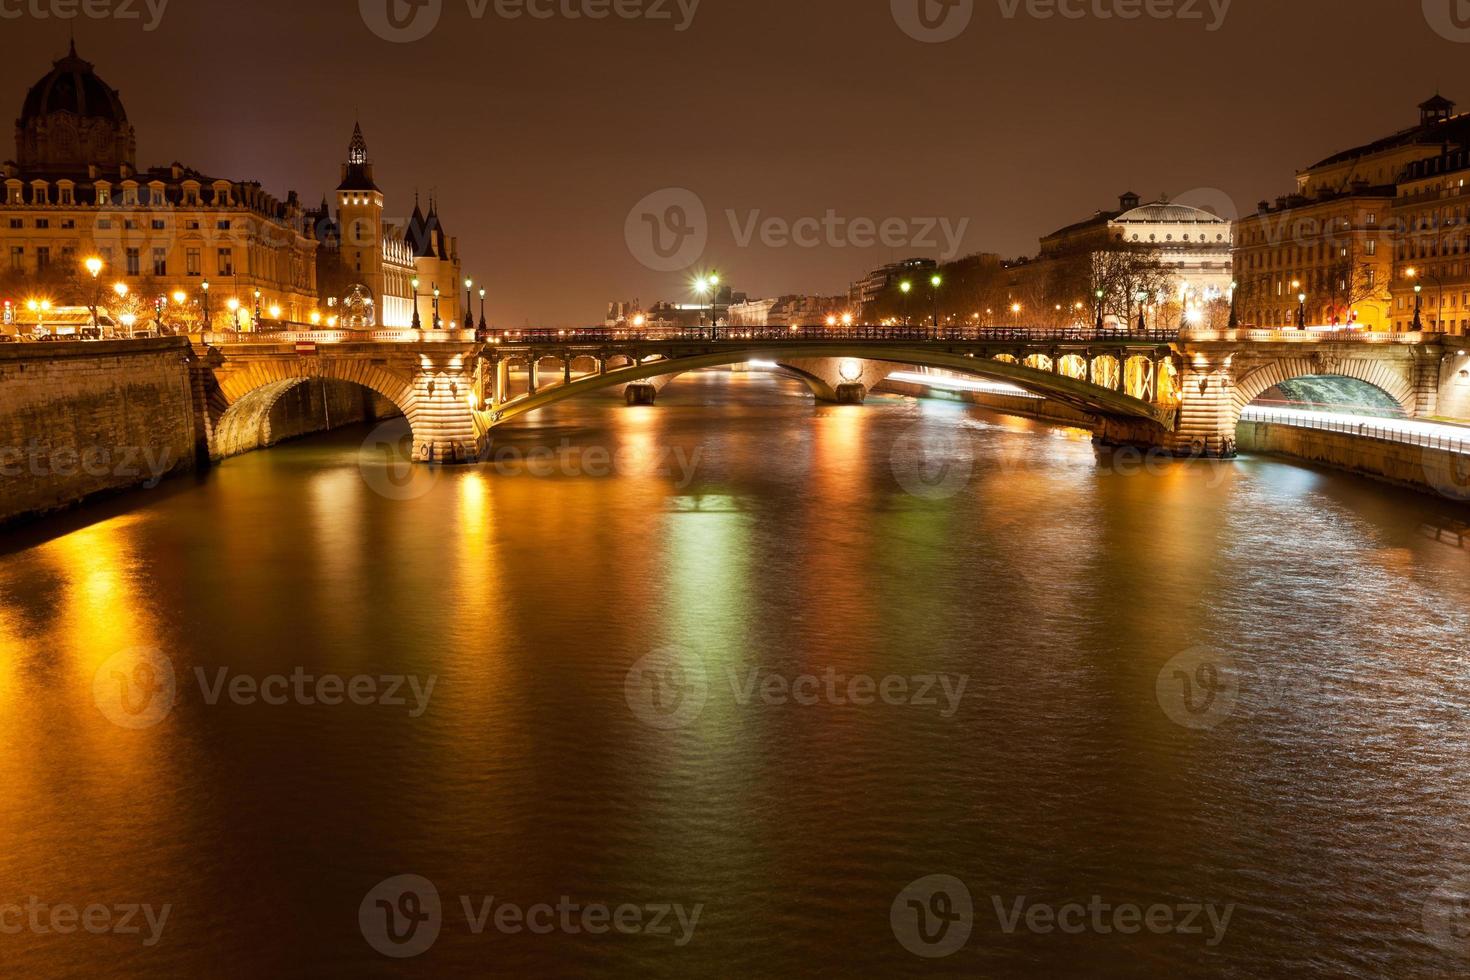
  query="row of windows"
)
[
  {"x": 1300, "y": 255},
  {"x": 157, "y": 195},
  {"x": 133, "y": 259}
]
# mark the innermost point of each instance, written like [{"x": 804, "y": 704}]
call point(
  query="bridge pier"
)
[
  {"x": 640, "y": 393},
  {"x": 851, "y": 393}
]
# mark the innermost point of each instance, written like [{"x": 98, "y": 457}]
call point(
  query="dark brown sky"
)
[{"x": 541, "y": 135}]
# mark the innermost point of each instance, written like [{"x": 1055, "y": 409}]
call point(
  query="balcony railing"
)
[{"x": 1406, "y": 432}]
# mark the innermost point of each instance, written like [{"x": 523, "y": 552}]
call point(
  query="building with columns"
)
[{"x": 74, "y": 191}]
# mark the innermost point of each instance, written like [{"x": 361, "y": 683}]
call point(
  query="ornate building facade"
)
[
  {"x": 174, "y": 242},
  {"x": 74, "y": 192}
]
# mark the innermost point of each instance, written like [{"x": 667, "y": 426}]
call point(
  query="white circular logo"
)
[
  {"x": 933, "y": 916},
  {"x": 933, "y": 463},
  {"x": 1448, "y": 474},
  {"x": 667, "y": 689},
  {"x": 401, "y": 21},
  {"x": 933, "y": 21},
  {"x": 401, "y": 916},
  {"x": 387, "y": 466},
  {"x": 1449, "y": 18},
  {"x": 1447, "y": 916},
  {"x": 135, "y": 688},
  {"x": 668, "y": 230},
  {"x": 1198, "y": 688}
]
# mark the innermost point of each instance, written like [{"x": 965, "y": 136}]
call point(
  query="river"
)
[{"x": 716, "y": 688}]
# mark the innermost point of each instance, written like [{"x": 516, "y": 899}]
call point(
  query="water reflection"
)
[{"x": 1057, "y": 581}]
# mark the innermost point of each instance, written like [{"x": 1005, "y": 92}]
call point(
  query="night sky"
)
[{"x": 541, "y": 135}]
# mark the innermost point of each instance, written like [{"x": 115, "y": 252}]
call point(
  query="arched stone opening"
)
[{"x": 291, "y": 408}]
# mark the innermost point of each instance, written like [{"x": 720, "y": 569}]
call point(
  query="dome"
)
[
  {"x": 73, "y": 120},
  {"x": 1161, "y": 212},
  {"x": 72, "y": 86}
]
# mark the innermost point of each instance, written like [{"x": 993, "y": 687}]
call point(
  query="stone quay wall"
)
[
  {"x": 1435, "y": 471},
  {"x": 82, "y": 419}
]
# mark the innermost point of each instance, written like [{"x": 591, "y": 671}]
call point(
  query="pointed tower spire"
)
[{"x": 357, "y": 150}]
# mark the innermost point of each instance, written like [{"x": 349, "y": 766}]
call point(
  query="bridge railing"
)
[
  {"x": 1309, "y": 335},
  {"x": 341, "y": 337},
  {"x": 1382, "y": 429},
  {"x": 877, "y": 334}
]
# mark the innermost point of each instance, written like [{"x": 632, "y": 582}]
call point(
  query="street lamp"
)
[
  {"x": 204, "y": 291},
  {"x": 935, "y": 281},
  {"x": 94, "y": 266},
  {"x": 906, "y": 287},
  {"x": 233, "y": 305},
  {"x": 1142, "y": 298},
  {"x": 469, "y": 304},
  {"x": 1301, "y": 311},
  {"x": 710, "y": 285},
  {"x": 482, "y": 308},
  {"x": 256, "y": 322},
  {"x": 1101, "y": 295},
  {"x": 1234, "y": 314},
  {"x": 438, "y": 323},
  {"x": 417, "y": 324},
  {"x": 1418, "y": 307}
]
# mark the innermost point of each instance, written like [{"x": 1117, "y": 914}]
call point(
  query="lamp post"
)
[
  {"x": 1301, "y": 311},
  {"x": 255, "y": 323},
  {"x": 1142, "y": 298},
  {"x": 906, "y": 287},
  {"x": 482, "y": 309},
  {"x": 1234, "y": 312},
  {"x": 935, "y": 281},
  {"x": 94, "y": 266},
  {"x": 1418, "y": 307},
  {"x": 417, "y": 323},
  {"x": 233, "y": 305},
  {"x": 438, "y": 323},
  {"x": 204, "y": 291},
  {"x": 1101, "y": 295},
  {"x": 469, "y": 304},
  {"x": 711, "y": 285}
]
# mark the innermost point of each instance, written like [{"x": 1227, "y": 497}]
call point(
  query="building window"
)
[
  {"x": 43, "y": 259},
  {"x": 104, "y": 223},
  {"x": 17, "y": 223},
  {"x": 1372, "y": 246},
  {"x": 223, "y": 225},
  {"x": 195, "y": 266},
  {"x": 227, "y": 262},
  {"x": 68, "y": 222},
  {"x": 160, "y": 261},
  {"x": 135, "y": 262},
  {"x": 158, "y": 225},
  {"x": 43, "y": 223},
  {"x": 17, "y": 258}
]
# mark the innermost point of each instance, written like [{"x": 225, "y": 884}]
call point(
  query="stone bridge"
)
[{"x": 1181, "y": 392}]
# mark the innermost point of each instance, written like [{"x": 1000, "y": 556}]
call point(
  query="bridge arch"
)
[
  {"x": 1079, "y": 394},
  {"x": 252, "y": 390},
  {"x": 1384, "y": 375}
]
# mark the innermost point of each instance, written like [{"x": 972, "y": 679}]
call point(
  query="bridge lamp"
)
[
  {"x": 121, "y": 289},
  {"x": 639, "y": 321},
  {"x": 906, "y": 287},
  {"x": 180, "y": 297},
  {"x": 1016, "y": 308},
  {"x": 275, "y": 312},
  {"x": 847, "y": 319},
  {"x": 332, "y": 322},
  {"x": 316, "y": 318},
  {"x": 831, "y": 321},
  {"x": 94, "y": 266}
]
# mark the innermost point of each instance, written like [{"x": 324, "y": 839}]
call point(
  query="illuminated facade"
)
[
  {"x": 74, "y": 191},
  {"x": 1358, "y": 222}
]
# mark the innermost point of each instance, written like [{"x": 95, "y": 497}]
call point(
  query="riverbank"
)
[{"x": 1428, "y": 469}]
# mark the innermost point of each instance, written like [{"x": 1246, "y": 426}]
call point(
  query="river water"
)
[{"x": 740, "y": 657}]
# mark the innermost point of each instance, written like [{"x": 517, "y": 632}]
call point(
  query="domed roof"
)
[
  {"x": 72, "y": 86},
  {"x": 1162, "y": 212}
]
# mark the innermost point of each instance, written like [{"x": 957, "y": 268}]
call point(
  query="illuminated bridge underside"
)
[{"x": 1075, "y": 392}]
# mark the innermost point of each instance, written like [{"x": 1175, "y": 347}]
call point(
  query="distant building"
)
[
  {"x": 789, "y": 311},
  {"x": 871, "y": 287}
]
